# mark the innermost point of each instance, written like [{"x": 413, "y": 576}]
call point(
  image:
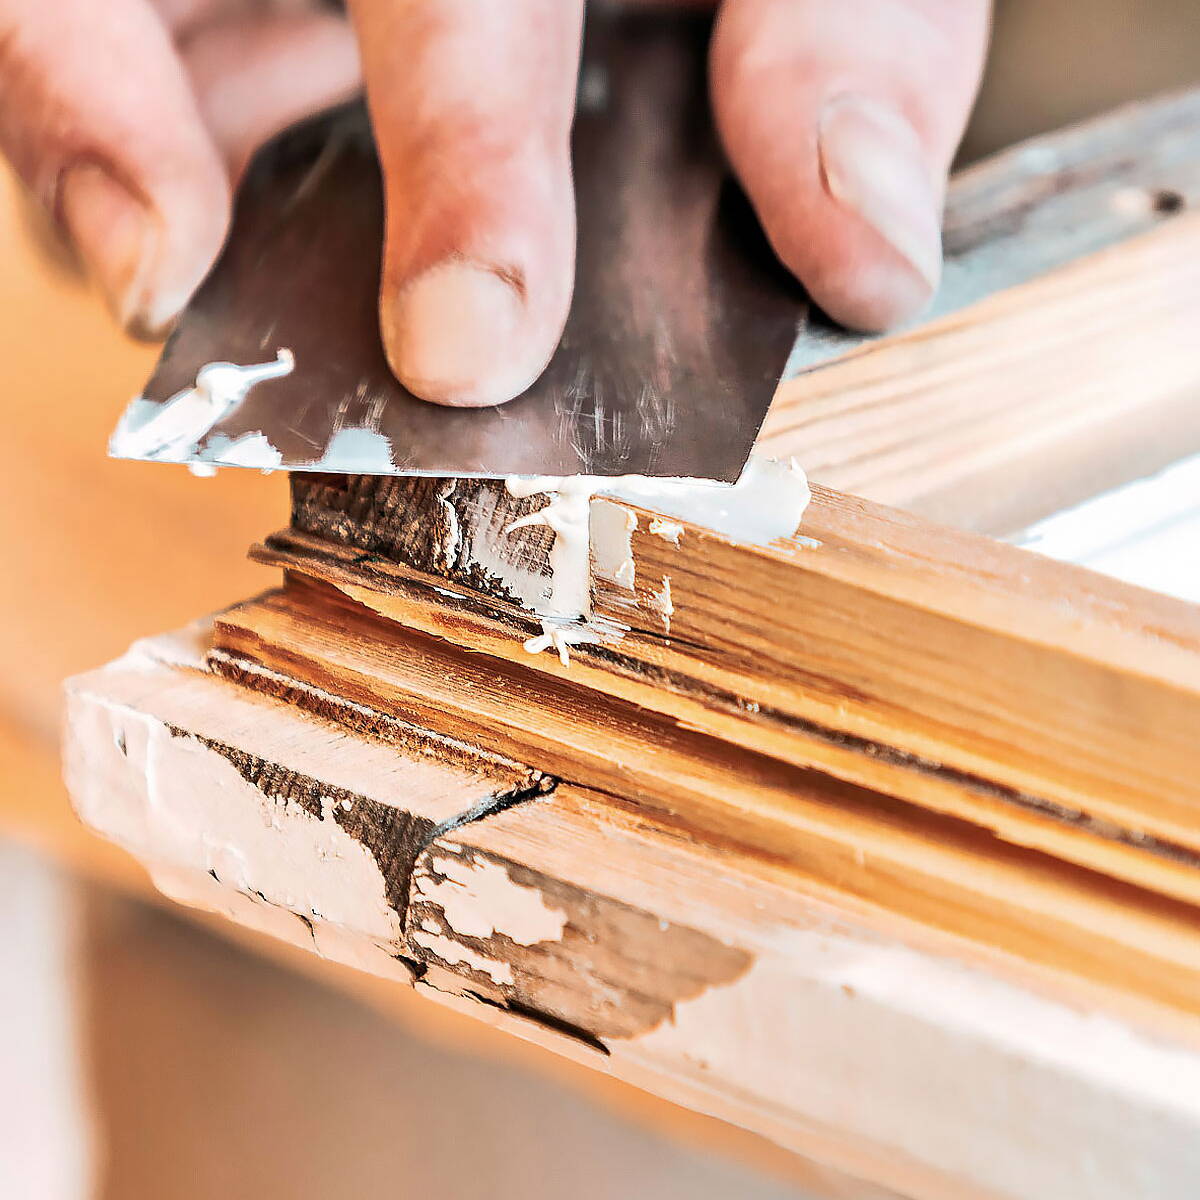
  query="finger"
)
[
  {"x": 256, "y": 73},
  {"x": 842, "y": 120},
  {"x": 472, "y": 102},
  {"x": 97, "y": 116}
]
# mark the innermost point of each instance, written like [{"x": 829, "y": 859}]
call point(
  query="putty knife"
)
[{"x": 680, "y": 327}]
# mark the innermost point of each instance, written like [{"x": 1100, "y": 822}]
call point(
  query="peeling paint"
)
[
  {"x": 456, "y": 954},
  {"x": 613, "y": 526},
  {"x": 480, "y": 900},
  {"x": 599, "y": 966}
]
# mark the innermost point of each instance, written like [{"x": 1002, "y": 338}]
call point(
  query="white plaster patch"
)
[
  {"x": 480, "y": 899},
  {"x": 766, "y": 503},
  {"x": 612, "y": 532},
  {"x": 661, "y": 600},
  {"x": 568, "y": 514},
  {"x": 530, "y": 588},
  {"x": 560, "y": 636}
]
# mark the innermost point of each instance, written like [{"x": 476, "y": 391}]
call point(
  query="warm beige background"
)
[{"x": 217, "y": 1073}]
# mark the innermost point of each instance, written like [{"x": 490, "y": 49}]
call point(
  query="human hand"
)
[{"x": 129, "y": 120}]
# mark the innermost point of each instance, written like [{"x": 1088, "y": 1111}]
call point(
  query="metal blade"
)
[{"x": 680, "y": 327}]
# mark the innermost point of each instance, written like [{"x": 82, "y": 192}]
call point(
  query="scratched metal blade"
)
[{"x": 680, "y": 327}]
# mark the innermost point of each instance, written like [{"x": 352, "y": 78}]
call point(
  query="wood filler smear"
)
[
  {"x": 172, "y": 431},
  {"x": 766, "y": 503}
]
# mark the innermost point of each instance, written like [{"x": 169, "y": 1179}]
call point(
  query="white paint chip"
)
[
  {"x": 456, "y": 954},
  {"x": 479, "y": 899}
]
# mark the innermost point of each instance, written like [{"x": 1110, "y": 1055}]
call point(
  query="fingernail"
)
[
  {"x": 873, "y": 164},
  {"x": 118, "y": 239},
  {"x": 457, "y": 336}
]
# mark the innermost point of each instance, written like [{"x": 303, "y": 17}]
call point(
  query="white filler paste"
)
[
  {"x": 766, "y": 503},
  {"x": 172, "y": 431}
]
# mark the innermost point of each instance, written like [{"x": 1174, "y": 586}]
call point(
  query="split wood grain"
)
[
  {"x": 35, "y": 808},
  {"x": 1059, "y": 358},
  {"x": 843, "y": 841},
  {"x": 801, "y": 1019},
  {"x": 1036, "y": 700}
]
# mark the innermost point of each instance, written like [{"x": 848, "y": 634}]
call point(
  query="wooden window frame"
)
[{"x": 880, "y": 841}]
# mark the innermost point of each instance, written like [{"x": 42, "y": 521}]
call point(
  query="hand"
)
[{"x": 130, "y": 118}]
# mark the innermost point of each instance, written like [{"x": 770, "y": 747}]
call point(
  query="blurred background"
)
[{"x": 147, "y": 1054}]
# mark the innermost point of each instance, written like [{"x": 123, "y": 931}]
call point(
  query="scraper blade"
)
[{"x": 679, "y": 330}]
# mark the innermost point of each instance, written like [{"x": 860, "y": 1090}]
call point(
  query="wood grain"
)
[
  {"x": 1048, "y": 705},
  {"x": 850, "y": 843},
  {"x": 804, "y": 1019},
  {"x": 1057, "y": 360}
]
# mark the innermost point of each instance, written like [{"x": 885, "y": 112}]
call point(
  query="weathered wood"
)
[
  {"x": 702, "y": 973},
  {"x": 1058, "y": 358},
  {"x": 1041, "y": 702},
  {"x": 850, "y": 842},
  {"x": 811, "y": 820},
  {"x": 34, "y": 808}
]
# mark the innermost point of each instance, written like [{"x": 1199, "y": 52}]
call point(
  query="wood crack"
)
[{"x": 395, "y": 838}]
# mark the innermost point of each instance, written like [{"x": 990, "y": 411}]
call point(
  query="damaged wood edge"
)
[
  {"x": 571, "y": 893},
  {"x": 395, "y": 839},
  {"x": 244, "y": 660},
  {"x": 671, "y": 676},
  {"x": 759, "y": 815},
  {"x": 362, "y": 719},
  {"x": 530, "y": 986},
  {"x": 551, "y": 951},
  {"x": 406, "y": 850},
  {"x": 461, "y": 539},
  {"x": 358, "y": 809},
  {"x": 490, "y": 952}
]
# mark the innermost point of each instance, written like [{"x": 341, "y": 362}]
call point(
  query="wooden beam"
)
[
  {"x": 34, "y": 809},
  {"x": 1057, "y": 360},
  {"x": 806, "y": 820},
  {"x": 847, "y": 842},
  {"x": 1045, "y": 704},
  {"x": 575, "y": 920}
]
